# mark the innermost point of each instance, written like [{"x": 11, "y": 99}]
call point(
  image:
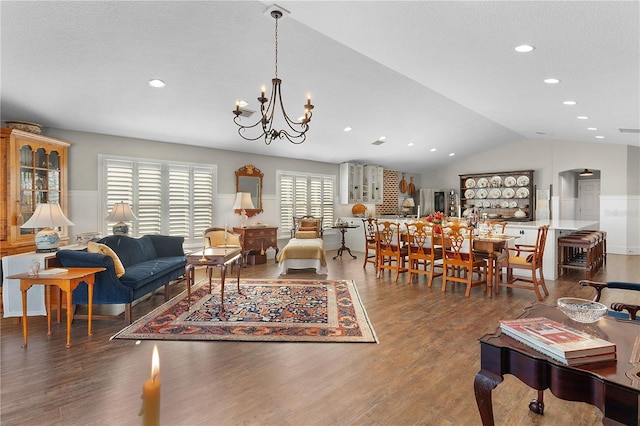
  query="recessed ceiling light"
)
[
  {"x": 242, "y": 103},
  {"x": 599, "y": 137},
  {"x": 569, "y": 102},
  {"x": 525, "y": 48},
  {"x": 452, "y": 154},
  {"x": 382, "y": 138},
  {"x": 410, "y": 144},
  {"x": 592, "y": 128},
  {"x": 432, "y": 150},
  {"x": 156, "y": 83},
  {"x": 347, "y": 129},
  {"x": 541, "y": 132},
  {"x": 551, "y": 80},
  {"x": 582, "y": 117}
]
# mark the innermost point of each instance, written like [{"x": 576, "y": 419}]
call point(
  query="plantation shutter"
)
[
  {"x": 167, "y": 198},
  {"x": 303, "y": 194},
  {"x": 148, "y": 208}
]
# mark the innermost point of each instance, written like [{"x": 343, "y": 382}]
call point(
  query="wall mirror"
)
[{"x": 249, "y": 179}]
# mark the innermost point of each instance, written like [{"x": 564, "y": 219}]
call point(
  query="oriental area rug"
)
[{"x": 263, "y": 310}]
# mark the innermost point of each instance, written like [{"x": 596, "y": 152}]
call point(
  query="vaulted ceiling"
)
[{"x": 437, "y": 74}]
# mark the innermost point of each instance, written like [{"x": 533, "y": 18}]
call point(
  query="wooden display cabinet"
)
[
  {"x": 501, "y": 195},
  {"x": 33, "y": 169}
]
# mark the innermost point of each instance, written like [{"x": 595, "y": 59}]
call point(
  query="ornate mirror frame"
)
[{"x": 249, "y": 179}]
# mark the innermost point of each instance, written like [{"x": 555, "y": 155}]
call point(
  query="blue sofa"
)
[{"x": 150, "y": 262}]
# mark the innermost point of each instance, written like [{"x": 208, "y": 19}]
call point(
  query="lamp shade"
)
[
  {"x": 121, "y": 212},
  {"x": 47, "y": 216},
  {"x": 243, "y": 201},
  {"x": 408, "y": 202}
]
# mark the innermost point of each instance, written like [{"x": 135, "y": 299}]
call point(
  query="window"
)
[
  {"x": 167, "y": 198},
  {"x": 305, "y": 194}
]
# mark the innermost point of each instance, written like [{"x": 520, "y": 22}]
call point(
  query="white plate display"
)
[
  {"x": 495, "y": 193},
  {"x": 470, "y": 183},
  {"x": 509, "y": 181},
  {"x": 483, "y": 183},
  {"x": 469, "y": 193},
  {"x": 513, "y": 204},
  {"x": 508, "y": 193},
  {"x": 486, "y": 204},
  {"x": 496, "y": 181},
  {"x": 504, "y": 204},
  {"x": 482, "y": 193},
  {"x": 522, "y": 193},
  {"x": 523, "y": 181}
]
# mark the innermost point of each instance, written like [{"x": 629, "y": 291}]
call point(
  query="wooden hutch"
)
[{"x": 33, "y": 169}]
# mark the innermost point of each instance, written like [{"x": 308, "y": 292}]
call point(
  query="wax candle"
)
[
  {"x": 418, "y": 212},
  {"x": 151, "y": 393}
]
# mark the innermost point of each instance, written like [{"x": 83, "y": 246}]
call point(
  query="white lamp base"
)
[
  {"x": 120, "y": 228},
  {"x": 47, "y": 240},
  {"x": 243, "y": 218}
]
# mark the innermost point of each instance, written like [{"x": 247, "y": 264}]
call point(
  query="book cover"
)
[{"x": 555, "y": 338}]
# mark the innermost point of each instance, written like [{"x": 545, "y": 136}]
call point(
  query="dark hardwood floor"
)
[{"x": 421, "y": 372}]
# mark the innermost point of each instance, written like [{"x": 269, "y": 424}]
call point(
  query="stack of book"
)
[{"x": 558, "y": 341}]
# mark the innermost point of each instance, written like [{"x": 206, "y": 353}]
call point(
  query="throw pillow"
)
[
  {"x": 107, "y": 251},
  {"x": 305, "y": 235}
]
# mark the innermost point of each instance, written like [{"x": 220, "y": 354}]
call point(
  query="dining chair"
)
[
  {"x": 499, "y": 257},
  {"x": 458, "y": 259},
  {"x": 370, "y": 254},
  {"x": 391, "y": 254},
  {"x": 498, "y": 225},
  {"x": 528, "y": 257},
  {"x": 423, "y": 252}
]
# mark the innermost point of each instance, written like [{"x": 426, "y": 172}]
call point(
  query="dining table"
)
[{"x": 490, "y": 245}]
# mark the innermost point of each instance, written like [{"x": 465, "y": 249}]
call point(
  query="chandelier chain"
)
[{"x": 277, "y": 47}]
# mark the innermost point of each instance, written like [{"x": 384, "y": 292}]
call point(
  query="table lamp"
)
[
  {"x": 47, "y": 216},
  {"x": 407, "y": 205},
  {"x": 121, "y": 213},
  {"x": 242, "y": 203}
]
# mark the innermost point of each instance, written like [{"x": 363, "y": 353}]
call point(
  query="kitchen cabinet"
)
[
  {"x": 501, "y": 195},
  {"x": 33, "y": 169},
  {"x": 351, "y": 183},
  {"x": 372, "y": 184}
]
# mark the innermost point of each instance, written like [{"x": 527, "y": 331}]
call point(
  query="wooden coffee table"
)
[
  {"x": 67, "y": 282},
  {"x": 612, "y": 386},
  {"x": 219, "y": 257}
]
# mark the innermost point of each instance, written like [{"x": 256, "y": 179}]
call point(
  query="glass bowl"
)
[{"x": 582, "y": 310}]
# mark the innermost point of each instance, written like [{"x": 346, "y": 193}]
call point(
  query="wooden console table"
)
[
  {"x": 612, "y": 386},
  {"x": 258, "y": 238}
]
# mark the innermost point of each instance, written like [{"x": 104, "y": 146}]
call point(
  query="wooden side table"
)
[
  {"x": 258, "y": 238},
  {"x": 67, "y": 282}
]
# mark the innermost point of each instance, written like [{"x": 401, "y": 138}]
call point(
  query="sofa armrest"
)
[
  {"x": 167, "y": 246},
  {"x": 107, "y": 287}
]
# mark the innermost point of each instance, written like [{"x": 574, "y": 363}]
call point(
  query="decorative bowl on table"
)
[{"x": 581, "y": 310}]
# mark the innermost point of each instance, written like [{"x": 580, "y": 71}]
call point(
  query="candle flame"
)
[{"x": 155, "y": 362}]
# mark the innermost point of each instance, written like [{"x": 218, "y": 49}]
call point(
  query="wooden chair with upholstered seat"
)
[
  {"x": 459, "y": 262},
  {"x": 391, "y": 254},
  {"x": 422, "y": 251},
  {"x": 220, "y": 237},
  {"x": 307, "y": 223},
  {"x": 528, "y": 257},
  {"x": 370, "y": 256}
]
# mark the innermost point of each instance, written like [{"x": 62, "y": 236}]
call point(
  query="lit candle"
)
[
  {"x": 151, "y": 393},
  {"x": 309, "y": 98},
  {"x": 262, "y": 90},
  {"x": 237, "y": 105},
  {"x": 418, "y": 211},
  {"x": 459, "y": 214}
]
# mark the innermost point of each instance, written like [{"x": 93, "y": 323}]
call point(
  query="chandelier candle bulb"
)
[{"x": 151, "y": 393}]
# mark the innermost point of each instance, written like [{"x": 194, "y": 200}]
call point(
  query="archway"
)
[{"x": 579, "y": 195}]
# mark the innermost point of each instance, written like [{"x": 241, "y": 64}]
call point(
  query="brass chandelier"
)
[{"x": 297, "y": 130}]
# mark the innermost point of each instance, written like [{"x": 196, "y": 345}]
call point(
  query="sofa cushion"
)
[
  {"x": 131, "y": 251},
  {"x": 141, "y": 274},
  {"x": 106, "y": 250}
]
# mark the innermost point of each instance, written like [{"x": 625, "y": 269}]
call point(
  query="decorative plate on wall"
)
[
  {"x": 482, "y": 193},
  {"x": 469, "y": 183},
  {"x": 508, "y": 193},
  {"x": 523, "y": 181},
  {"x": 358, "y": 209},
  {"x": 522, "y": 193},
  {"x": 469, "y": 193},
  {"x": 509, "y": 181},
  {"x": 483, "y": 183}
]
